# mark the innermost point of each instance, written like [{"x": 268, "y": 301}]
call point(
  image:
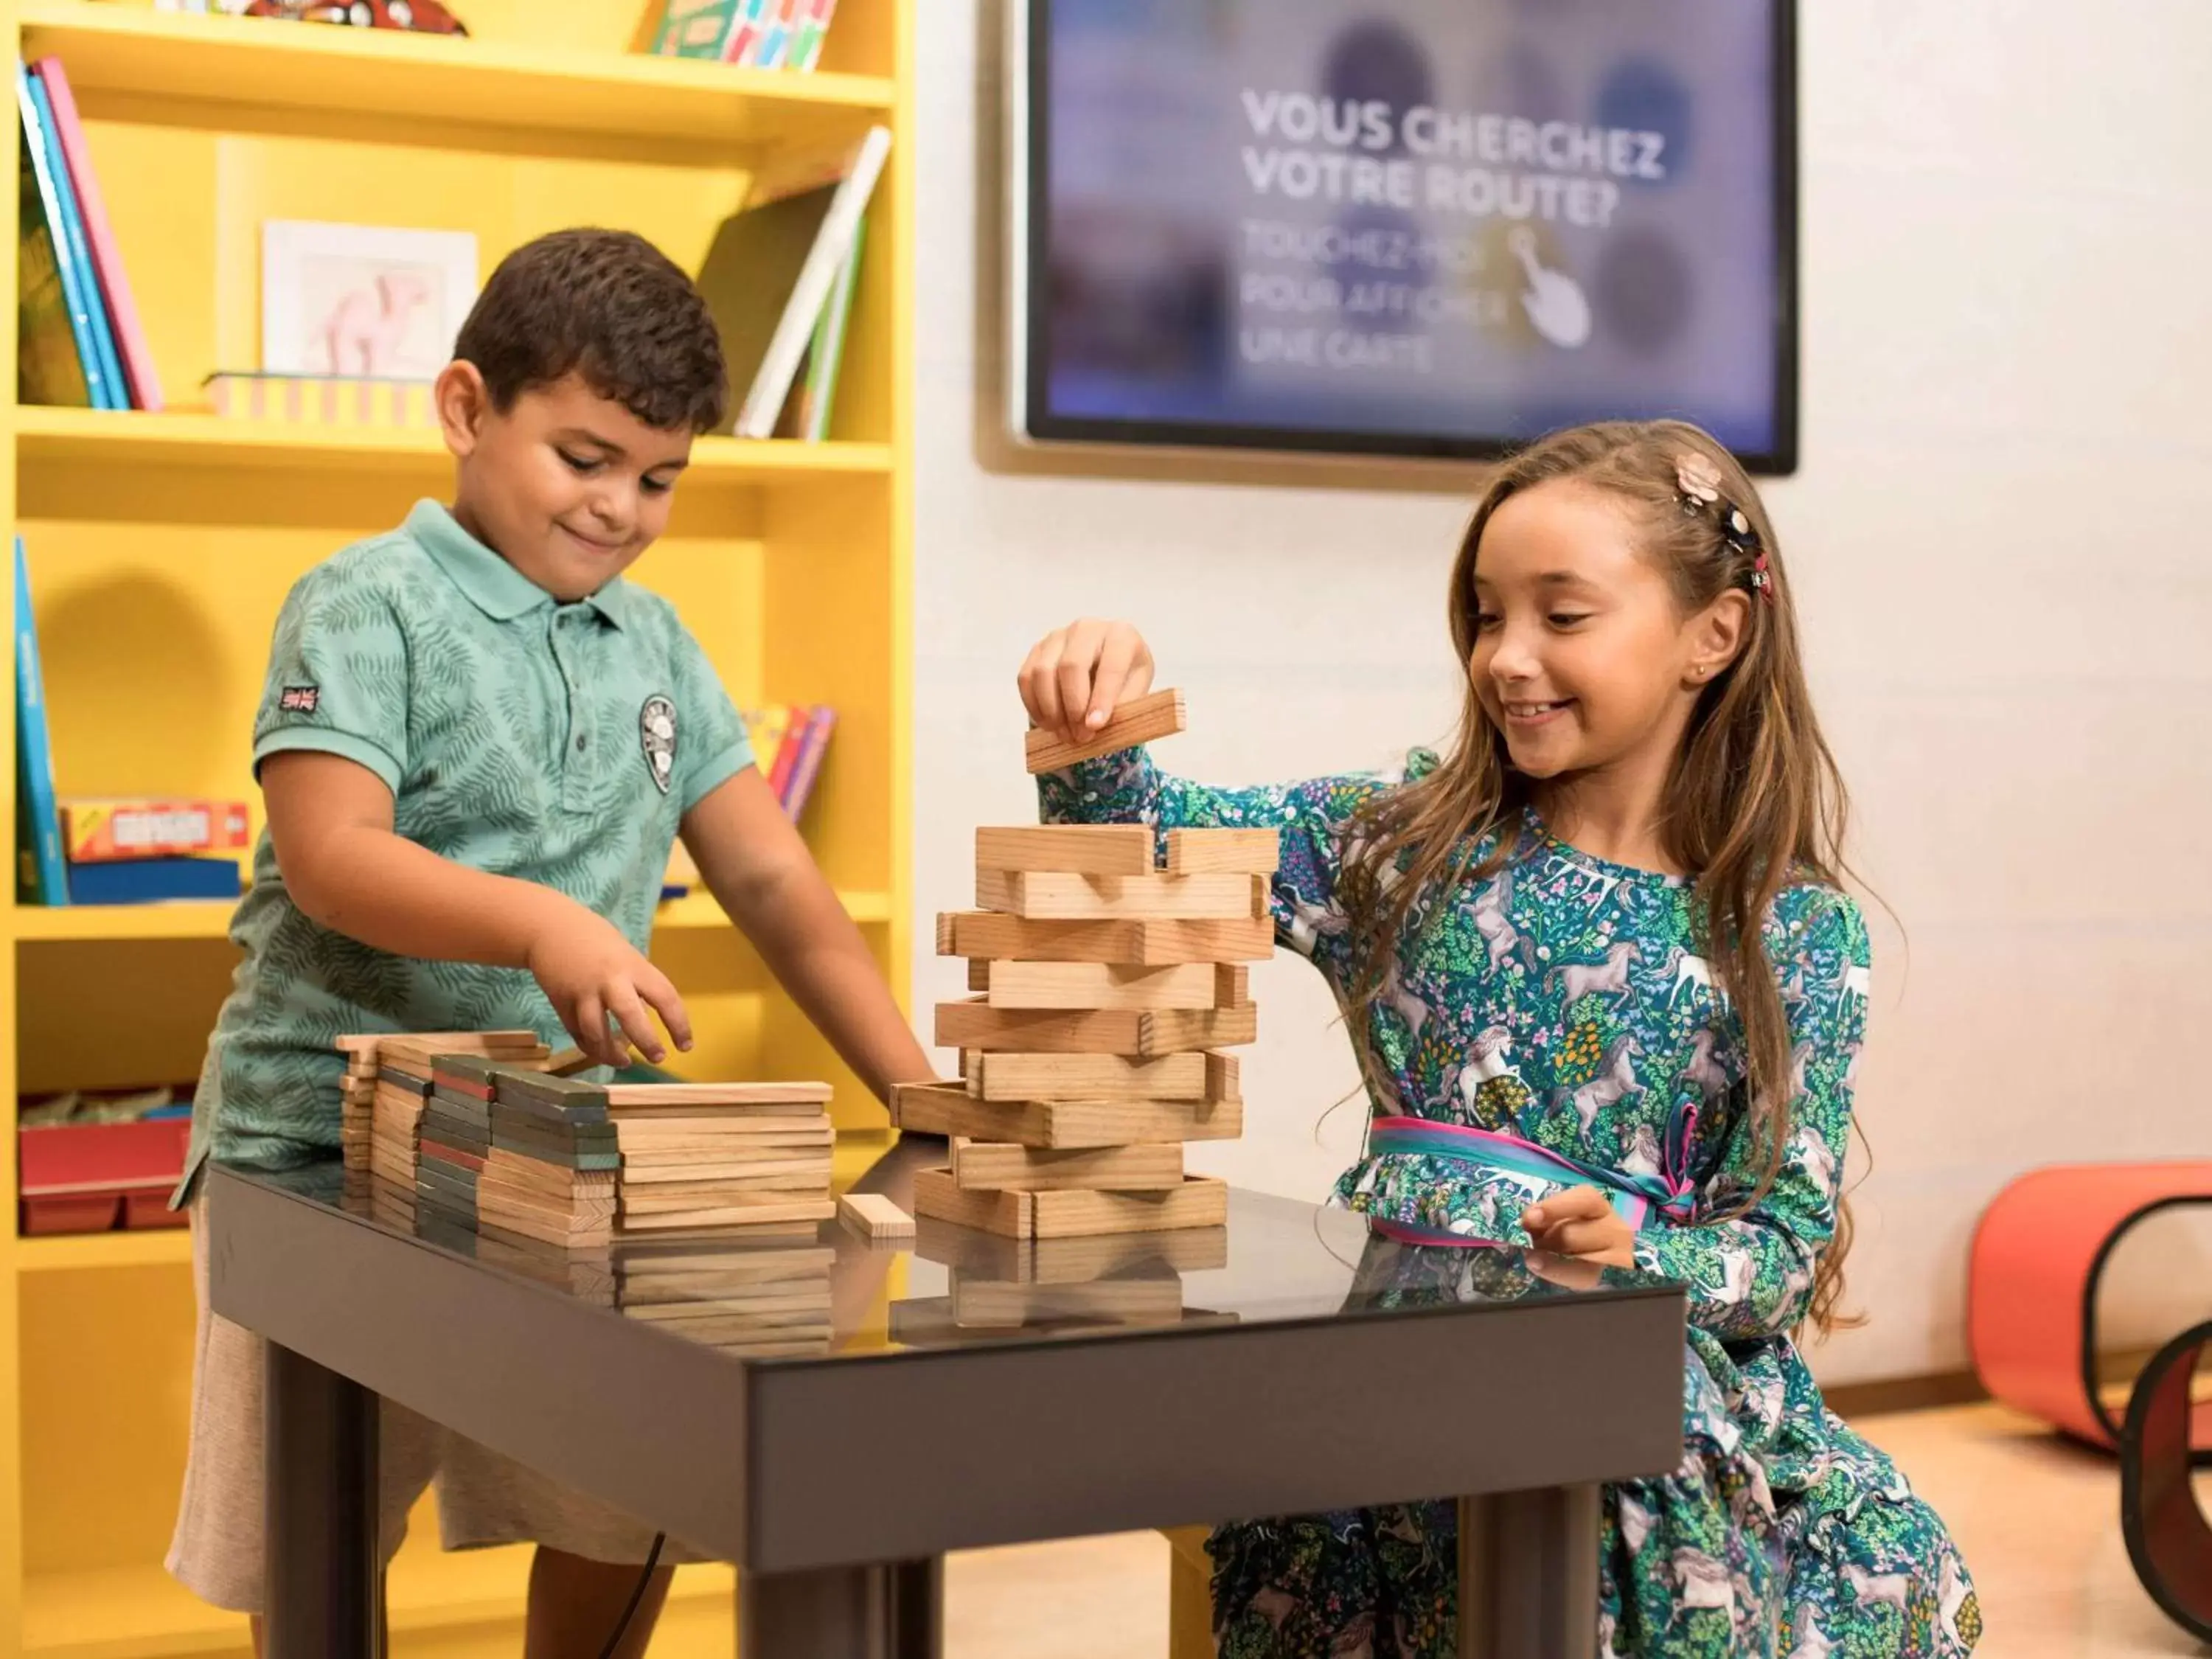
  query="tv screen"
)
[{"x": 1419, "y": 228}]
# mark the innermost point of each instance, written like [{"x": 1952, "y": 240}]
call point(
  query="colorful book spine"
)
[
  {"x": 826, "y": 353},
  {"x": 74, "y": 297},
  {"x": 108, "y": 831},
  {"x": 80, "y": 249},
  {"x": 144, "y": 384},
  {"x": 787, "y": 750},
  {"x": 808, "y": 766},
  {"x": 696, "y": 28},
  {"x": 806, "y": 49},
  {"x": 42, "y": 878},
  {"x": 773, "y": 49}
]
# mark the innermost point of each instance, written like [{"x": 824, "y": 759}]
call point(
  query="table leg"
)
[
  {"x": 1527, "y": 1574},
  {"x": 892, "y": 1611},
  {"x": 320, "y": 1479}
]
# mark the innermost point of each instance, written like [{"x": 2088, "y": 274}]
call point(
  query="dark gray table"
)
[{"x": 1291, "y": 1363}]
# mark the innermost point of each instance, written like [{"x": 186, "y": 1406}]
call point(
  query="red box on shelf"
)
[{"x": 89, "y": 1177}]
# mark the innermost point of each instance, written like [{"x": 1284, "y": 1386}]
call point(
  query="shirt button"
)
[{"x": 581, "y": 742}]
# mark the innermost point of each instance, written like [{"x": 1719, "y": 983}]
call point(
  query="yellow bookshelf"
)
[{"x": 161, "y": 546}]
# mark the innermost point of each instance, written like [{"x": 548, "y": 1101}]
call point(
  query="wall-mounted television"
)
[{"x": 1432, "y": 228}]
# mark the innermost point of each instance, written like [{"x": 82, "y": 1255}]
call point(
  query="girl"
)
[{"x": 1596, "y": 951}]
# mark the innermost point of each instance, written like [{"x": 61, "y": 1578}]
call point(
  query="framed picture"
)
[{"x": 362, "y": 299}]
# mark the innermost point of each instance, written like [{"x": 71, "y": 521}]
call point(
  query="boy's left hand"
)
[{"x": 1581, "y": 1223}]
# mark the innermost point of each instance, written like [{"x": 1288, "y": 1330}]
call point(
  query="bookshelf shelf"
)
[
  {"x": 46, "y": 435},
  {"x": 154, "y": 1246},
  {"x": 316, "y": 69},
  {"x": 210, "y": 919}
]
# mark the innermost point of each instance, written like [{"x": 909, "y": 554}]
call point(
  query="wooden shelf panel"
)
[
  {"x": 210, "y": 919},
  {"x": 112, "y": 438},
  {"x": 403, "y": 77},
  {"x": 128, "y": 1613},
  {"x": 152, "y": 1247}
]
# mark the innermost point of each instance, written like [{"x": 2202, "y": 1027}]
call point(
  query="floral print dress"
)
[{"x": 1563, "y": 1000}]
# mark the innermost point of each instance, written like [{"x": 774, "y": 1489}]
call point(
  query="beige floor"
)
[{"x": 2037, "y": 1521}]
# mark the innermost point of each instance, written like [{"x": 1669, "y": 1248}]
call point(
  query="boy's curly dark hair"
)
[{"x": 609, "y": 307}]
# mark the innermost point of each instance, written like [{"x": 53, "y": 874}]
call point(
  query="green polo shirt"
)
[{"x": 559, "y": 744}]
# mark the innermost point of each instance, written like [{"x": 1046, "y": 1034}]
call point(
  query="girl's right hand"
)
[{"x": 1075, "y": 676}]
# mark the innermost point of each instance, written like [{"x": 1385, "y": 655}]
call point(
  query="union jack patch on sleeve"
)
[{"x": 299, "y": 699}]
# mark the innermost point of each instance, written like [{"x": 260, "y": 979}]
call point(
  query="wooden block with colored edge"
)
[
  {"x": 1147, "y": 1034},
  {"x": 1045, "y": 895},
  {"x": 1199, "y": 1201},
  {"x": 874, "y": 1217},
  {"x": 1232, "y": 852},
  {"x": 986, "y": 934},
  {"x": 1141, "y": 720},
  {"x": 1086, "y": 849},
  {"x": 986, "y": 1166},
  {"x": 994, "y": 1076},
  {"x": 1113, "y": 985},
  {"x": 936, "y": 1195},
  {"x": 948, "y": 1109}
]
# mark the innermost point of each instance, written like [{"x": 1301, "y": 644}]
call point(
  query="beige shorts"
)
[{"x": 483, "y": 1499}]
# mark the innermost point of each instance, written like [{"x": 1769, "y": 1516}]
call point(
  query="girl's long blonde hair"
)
[{"x": 1754, "y": 802}]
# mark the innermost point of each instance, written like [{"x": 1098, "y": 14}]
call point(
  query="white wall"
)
[{"x": 1998, "y": 540}]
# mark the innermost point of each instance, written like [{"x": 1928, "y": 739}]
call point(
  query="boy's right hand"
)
[
  {"x": 1074, "y": 677},
  {"x": 588, "y": 972}
]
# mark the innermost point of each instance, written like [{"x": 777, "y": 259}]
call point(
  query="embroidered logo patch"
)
[
  {"x": 299, "y": 699},
  {"x": 656, "y": 733}
]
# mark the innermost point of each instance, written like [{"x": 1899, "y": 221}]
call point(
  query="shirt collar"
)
[{"x": 492, "y": 585}]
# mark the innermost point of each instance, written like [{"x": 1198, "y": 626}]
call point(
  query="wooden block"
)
[
  {"x": 732, "y": 1215},
  {"x": 1143, "y": 719},
  {"x": 983, "y": 933},
  {"x": 1199, "y": 1201},
  {"x": 979, "y": 1165},
  {"x": 1088, "y": 849},
  {"x": 1112, "y": 985},
  {"x": 938, "y": 1196},
  {"x": 874, "y": 1217},
  {"x": 815, "y": 1168},
  {"x": 692, "y": 1096},
  {"x": 1071, "y": 1260},
  {"x": 1044, "y": 895},
  {"x": 1090, "y": 1077},
  {"x": 1097, "y": 1031},
  {"x": 1235, "y": 852},
  {"x": 568, "y": 1063},
  {"x": 948, "y": 1109}
]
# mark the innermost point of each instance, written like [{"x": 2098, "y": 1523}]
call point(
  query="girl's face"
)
[{"x": 1582, "y": 658}]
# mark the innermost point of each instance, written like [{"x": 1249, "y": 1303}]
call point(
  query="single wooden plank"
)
[
  {"x": 800, "y": 1171},
  {"x": 1087, "y": 1077},
  {"x": 1045, "y": 895},
  {"x": 938, "y": 1196},
  {"x": 689, "y": 1097},
  {"x": 874, "y": 1217},
  {"x": 1142, "y": 719},
  {"x": 1201, "y": 1202},
  {"x": 948, "y": 1109},
  {"x": 989, "y": 1166},
  {"x": 983, "y": 933},
  {"x": 1106, "y": 985},
  {"x": 1146, "y": 1034},
  {"x": 1089, "y": 849},
  {"x": 1239, "y": 852}
]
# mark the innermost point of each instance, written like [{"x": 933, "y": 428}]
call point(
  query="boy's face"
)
[{"x": 567, "y": 486}]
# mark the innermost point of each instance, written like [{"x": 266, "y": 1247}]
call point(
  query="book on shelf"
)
[
  {"x": 154, "y": 881},
  {"x": 812, "y": 399},
  {"x": 788, "y": 742},
  {"x": 83, "y": 344},
  {"x": 749, "y": 34},
  {"x": 41, "y": 873},
  {"x": 769, "y": 272},
  {"x": 110, "y": 831}
]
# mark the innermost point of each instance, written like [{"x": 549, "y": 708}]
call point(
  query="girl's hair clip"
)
[{"x": 1699, "y": 481}]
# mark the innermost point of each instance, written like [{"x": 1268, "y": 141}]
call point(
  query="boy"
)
[{"x": 476, "y": 743}]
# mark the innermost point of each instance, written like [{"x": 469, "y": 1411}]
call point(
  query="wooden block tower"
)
[{"x": 1108, "y": 986}]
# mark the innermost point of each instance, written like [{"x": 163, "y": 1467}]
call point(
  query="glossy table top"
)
[{"x": 982, "y": 1389}]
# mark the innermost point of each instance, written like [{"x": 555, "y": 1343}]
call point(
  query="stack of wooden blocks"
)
[
  {"x": 1108, "y": 987},
  {"x": 388, "y": 1082},
  {"x": 712, "y": 1155},
  {"x": 519, "y": 1151},
  {"x": 1058, "y": 1285}
]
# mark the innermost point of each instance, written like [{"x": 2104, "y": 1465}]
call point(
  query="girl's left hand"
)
[{"x": 1581, "y": 1223}]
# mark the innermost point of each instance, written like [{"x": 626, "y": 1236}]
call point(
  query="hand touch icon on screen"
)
[{"x": 1558, "y": 309}]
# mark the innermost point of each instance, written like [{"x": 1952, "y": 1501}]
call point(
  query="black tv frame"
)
[{"x": 1028, "y": 263}]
